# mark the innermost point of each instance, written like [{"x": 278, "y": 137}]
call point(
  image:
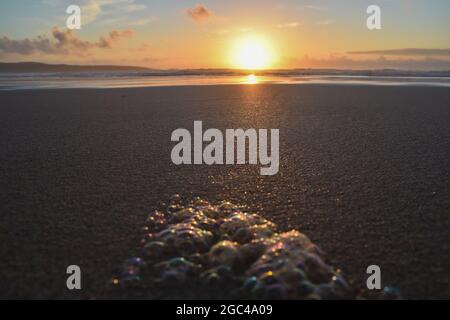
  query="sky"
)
[{"x": 414, "y": 34}]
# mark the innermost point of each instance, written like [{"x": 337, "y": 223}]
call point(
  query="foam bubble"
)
[{"x": 221, "y": 250}]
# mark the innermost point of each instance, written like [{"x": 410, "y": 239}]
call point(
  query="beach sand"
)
[{"x": 364, "y": 172}]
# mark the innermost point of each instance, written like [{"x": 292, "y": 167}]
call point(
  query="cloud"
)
[
  {"x": 406, "y": 52},
  {"x": 114, "y": 36},
  {"x": 337, "y": 61},
  {"x": 92, "y": 9},
  {"x": 128, "y": 21},
  {"x": 293, "y": 24},
  {"x": 26, "y": 46},
  {"x": 314, "y": 7},
  {"x": 200, "y": 13},
  {"x": 62, "y": 42}
]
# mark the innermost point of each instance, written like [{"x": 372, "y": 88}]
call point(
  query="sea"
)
[{"x": 127, "y": 79}]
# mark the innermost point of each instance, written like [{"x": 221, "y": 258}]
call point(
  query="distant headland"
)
[{"x": 44, "y": 67}]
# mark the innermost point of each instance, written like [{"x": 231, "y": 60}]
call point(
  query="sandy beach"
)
[{"x": 364, "y": 172}]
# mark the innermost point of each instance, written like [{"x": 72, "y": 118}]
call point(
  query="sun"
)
[{"x": 251, "y": 53}]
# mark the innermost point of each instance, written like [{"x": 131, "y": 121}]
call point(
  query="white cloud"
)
[
  {"x": 314, "y": 8},
  {"x": 293, "y": 24},
  {"x": 93, "y": 9}
]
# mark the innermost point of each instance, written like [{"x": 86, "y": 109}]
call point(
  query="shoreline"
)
[{"x": 92, "y": 82}]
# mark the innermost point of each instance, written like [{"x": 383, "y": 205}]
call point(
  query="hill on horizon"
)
[{"x": 44, "y": 67}]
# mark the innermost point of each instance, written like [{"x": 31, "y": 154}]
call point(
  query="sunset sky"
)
[{"x": 415, "y": 34}]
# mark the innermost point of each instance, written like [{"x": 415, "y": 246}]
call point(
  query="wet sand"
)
[{"x": 364, "y": 172}]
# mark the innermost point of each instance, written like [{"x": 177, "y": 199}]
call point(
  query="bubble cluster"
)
[{"x": 219, "y": 250}]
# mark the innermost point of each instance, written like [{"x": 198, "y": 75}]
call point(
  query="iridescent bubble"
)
[
  {"x": 391, "y": 293},
  {"x": 222, "y": 245}
]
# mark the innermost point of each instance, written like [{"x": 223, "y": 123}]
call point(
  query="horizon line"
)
[{"x": 44, "y": 64}]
